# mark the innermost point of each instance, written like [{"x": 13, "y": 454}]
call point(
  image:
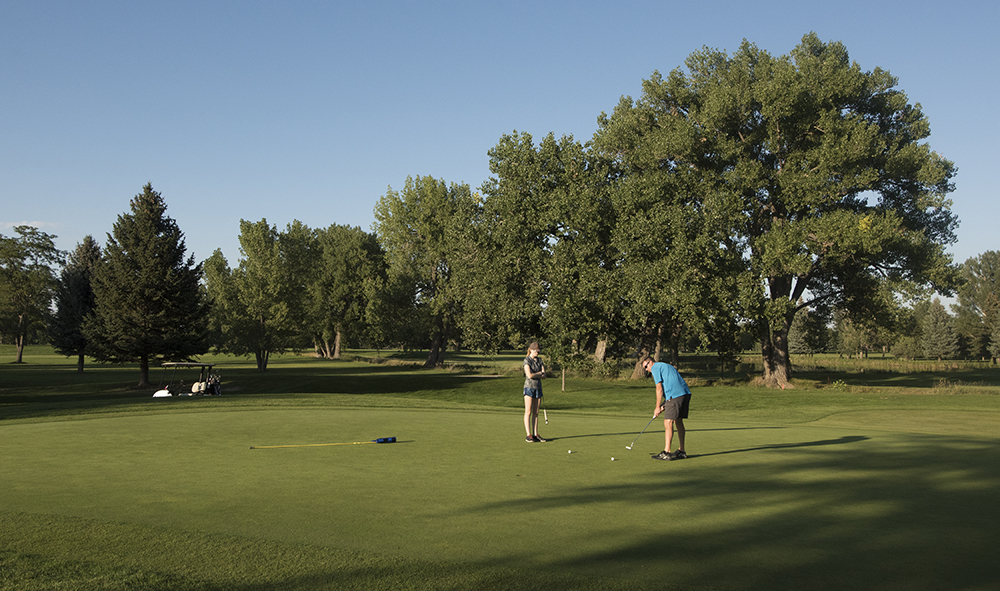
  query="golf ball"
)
[
  {"x": 570, "y": 451},
  {"x": 612, "y": 459}
]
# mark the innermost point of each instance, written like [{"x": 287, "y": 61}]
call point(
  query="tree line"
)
[{"x": 736, "y": 198}]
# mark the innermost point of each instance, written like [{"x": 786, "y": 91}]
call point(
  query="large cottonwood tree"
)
[
  {"x": 835, "y": 190},
  {"x": 251, "y": 310},
  {"x": 542, "y": 251},
  {"x": 423, "y": 229},
  {"x": 349, "y": 259}
]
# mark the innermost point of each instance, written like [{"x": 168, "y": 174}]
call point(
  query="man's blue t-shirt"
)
[{"x": 673, "y": 384}]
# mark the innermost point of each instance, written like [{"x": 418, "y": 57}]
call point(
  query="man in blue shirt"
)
[{"x": 673, "y": 397}]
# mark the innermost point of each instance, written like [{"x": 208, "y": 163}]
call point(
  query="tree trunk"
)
[
  {"x": 336, "y": 346},
  {"x": 658, "y": 350},
  {"x": 144, "y": 371},
  {"x": 774, "y": 354},
  {"x": 601, "y": 351},
  {"x": 675, "y": 342},
  {"x": 439, "y": 339},
  {"x": 79, "y": 363},
  {"x": 261, "y": 355},
  {"x": 432, "y": 355},
  {"x": 649, "y": 346},
  {"x": 19, "y": 351}
]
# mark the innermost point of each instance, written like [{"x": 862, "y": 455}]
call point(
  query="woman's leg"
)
[{"x": 528, "y": 404}]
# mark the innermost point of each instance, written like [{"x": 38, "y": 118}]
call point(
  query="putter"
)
[
  {"x": 544, "y": 412},
  {"x": 629, "y": 446}
]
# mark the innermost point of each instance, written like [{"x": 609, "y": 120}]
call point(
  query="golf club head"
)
[{"x": 628, "y": 447}]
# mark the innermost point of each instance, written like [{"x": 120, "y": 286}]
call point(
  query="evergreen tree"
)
[
  {"x": 74, "y": 300},
  {"x": 940, "y": 341},
  {"x": 808, "y": 334},
  {"x": 978, "y": 309},
  {"x": 148, "y": 301},
  {"x": 995, "y": 342}
]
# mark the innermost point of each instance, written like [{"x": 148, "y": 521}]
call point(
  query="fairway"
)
[{"x": 461, "y": 501}]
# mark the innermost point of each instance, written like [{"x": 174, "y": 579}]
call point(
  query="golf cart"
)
[{"x": 208, "y": 384}]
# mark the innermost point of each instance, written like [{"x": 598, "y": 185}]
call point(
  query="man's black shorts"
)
[{"x": 676, "y": 408}]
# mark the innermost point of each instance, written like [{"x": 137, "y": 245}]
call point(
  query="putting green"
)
[{"x": 756, "y": 505}]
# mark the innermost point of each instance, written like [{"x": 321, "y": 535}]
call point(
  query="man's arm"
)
[{"x": 659, "y": 400}]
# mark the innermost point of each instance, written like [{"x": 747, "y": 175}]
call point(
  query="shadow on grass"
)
[
  {"x": 915, "y": 513},
  {"x": 840, "y": 441},
  {"x": 43, "y": 390},
  {"x": 661, "y": 431}
]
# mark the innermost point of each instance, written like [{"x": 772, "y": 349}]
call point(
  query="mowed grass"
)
[{"x": 104, "y": 487}]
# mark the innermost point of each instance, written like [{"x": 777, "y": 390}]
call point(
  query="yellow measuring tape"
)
[{"x": 379, "y": 440}]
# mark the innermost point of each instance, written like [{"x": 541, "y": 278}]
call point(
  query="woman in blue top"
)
[
  {"x": 673, "y": 397},
  {"x": 534, "y": 371}
]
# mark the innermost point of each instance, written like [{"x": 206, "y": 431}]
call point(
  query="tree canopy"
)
[
  {"x": 251, "y": 304},
  {"x": 423, "y": 229},
  {"x": 27, "y": 283},
  {"x": 340, "y": 290}
]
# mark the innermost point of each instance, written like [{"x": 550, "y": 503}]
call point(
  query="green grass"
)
[{"x": 865, "y": 486}]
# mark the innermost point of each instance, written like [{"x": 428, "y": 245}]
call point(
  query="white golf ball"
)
[
  {"x": 612, "y": 459},
  {"x": 570, "y": 451}
]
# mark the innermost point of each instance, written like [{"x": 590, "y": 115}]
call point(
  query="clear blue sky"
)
[{"x": 310, "y": 110}]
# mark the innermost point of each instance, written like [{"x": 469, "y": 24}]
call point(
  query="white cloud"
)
[{"x": 39, "y": 225}]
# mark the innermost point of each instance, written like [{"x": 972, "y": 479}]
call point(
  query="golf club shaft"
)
[{"x": 641, "y": 432}]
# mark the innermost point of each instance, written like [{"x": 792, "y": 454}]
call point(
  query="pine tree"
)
[
  {"x": 149, "y": 304},
  {"x": 940, "y": 340},
  {"x": 995, "y": 342},
  {"x": 74, "y": 300},
  {"x": 808, "y": 334}
]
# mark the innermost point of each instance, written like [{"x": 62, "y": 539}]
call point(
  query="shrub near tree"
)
[{"x": 149, "y": 304}]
